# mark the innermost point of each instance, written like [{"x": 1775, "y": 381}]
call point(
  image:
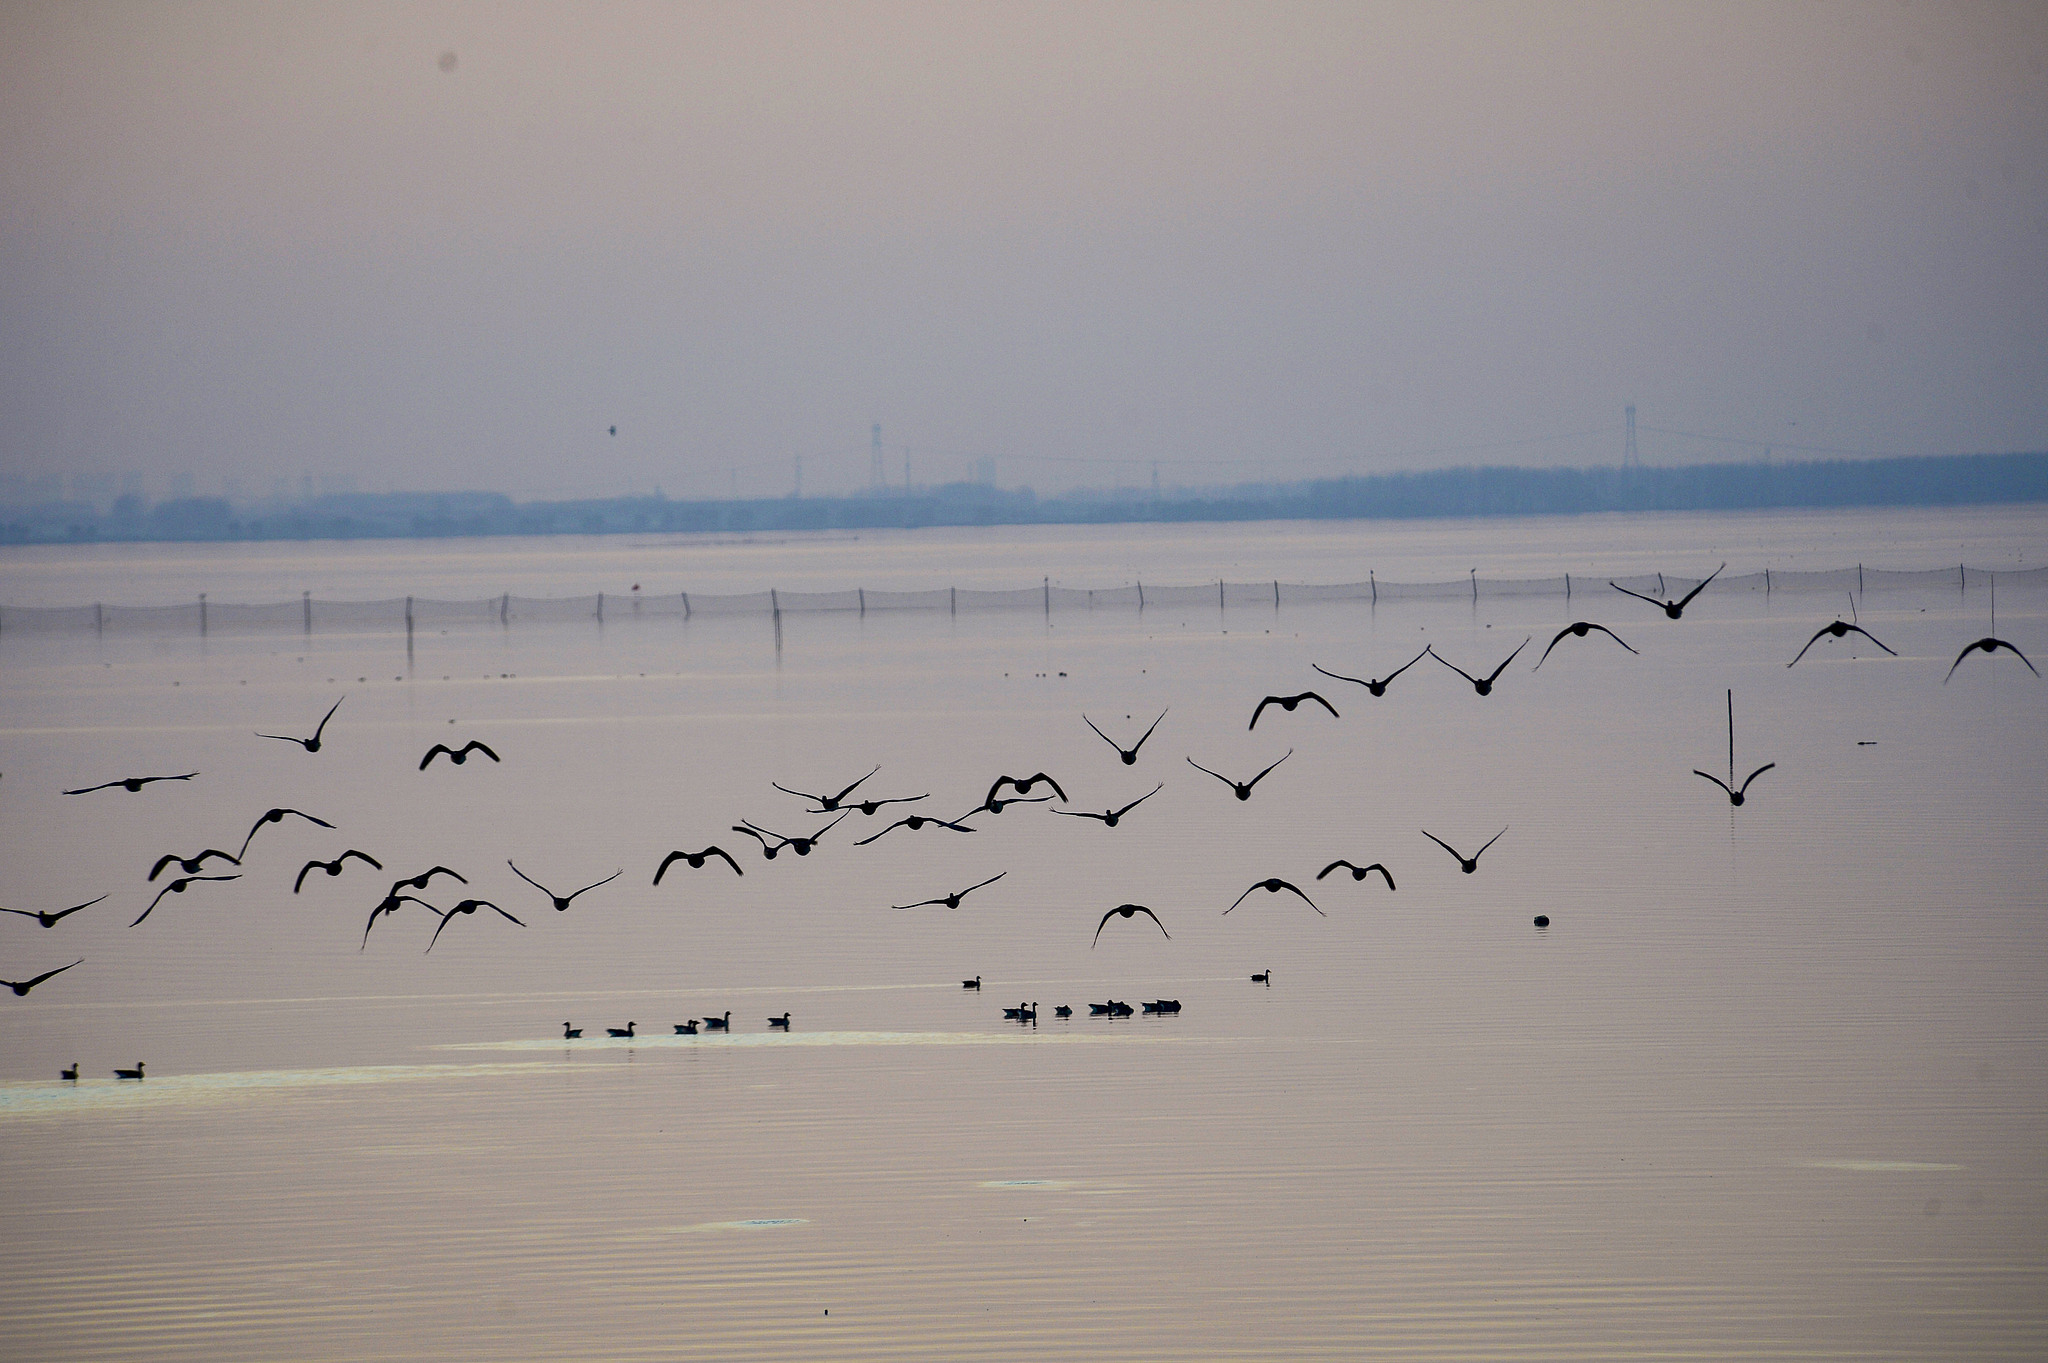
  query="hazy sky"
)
[{"x": 245, "y": 242}]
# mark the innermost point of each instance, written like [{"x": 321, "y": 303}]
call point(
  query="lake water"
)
[{"x": 1772, "y": 1083}]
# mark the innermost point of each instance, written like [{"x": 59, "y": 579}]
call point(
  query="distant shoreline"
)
[{"x": 1934, "y": 480}]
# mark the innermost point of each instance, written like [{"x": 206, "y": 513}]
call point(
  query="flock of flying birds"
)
[{"x": 1005, "y": 791}]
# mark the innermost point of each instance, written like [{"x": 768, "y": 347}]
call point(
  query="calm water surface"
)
[{"x": 1773, "y": 1082}]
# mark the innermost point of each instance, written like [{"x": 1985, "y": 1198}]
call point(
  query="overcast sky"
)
[{"x": 437, "y": 246}]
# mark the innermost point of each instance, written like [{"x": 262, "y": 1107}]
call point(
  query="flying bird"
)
[
  {"x": 1466, "y": 864},
  {"x": 419, "y": 882},
  {"x": 829, "y": 803},
  {"x": 952, "y": 901},
  {"x": 1242, "y": 788},
  {"x": 1130, "y": 754},
  {"x": 275, "y": 816},
  {"x": 467, "y": 906},
  {"x": 1579, "y": 629},
  {"x": 21, "y": 987},
  {"x": 561, "y": 901},
  {"x": 333, "y": 868},
  {"x": 1989, "y": 646},
  {"x": 175, "y": 887},
  {"x": 189, "y": 864},
  {"x": 48, "y": 919},
  {"x": 131, "y": 783},
  {"x": 1483, "y": 685},
  {"x": 915, "y": 822},
  {"x": 1022, "y": 787},
  {"x": 1110, "y": 817},
  {"x": 1275, "y": 885},
  {"x": 390, "y": 906},
  {"x": 309, "y": 744},
  {"x": 1361, "y": 872},
  {"x": 1379, "y": 687},
  {"x": 1288, "y": 703},
  {"x": 1127, "y": 911},
  {"x": 696, "y": 861},
  {"x": 801, "y": 846},
  {"x": 995, "y": 806},
  {"x": 458, "y": 755},
  {"x": 1673, "y": 609},
  {"x": 1840, "y": 628},
  {"x": 1736, "y": 794}
]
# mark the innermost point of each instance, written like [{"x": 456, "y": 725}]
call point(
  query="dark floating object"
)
[
  {"x": 625, "y": 1031},
  {"x": 1736, "y": 794},
  {"x": 70, "y": 1074},
  {"x": 1360, "y": 872},
  {"x": 135, "y": 1073},
  {"x": 1111, "y": 1009},
  {"x": 913, "y": 823},
  {"x": 1275, "y": 885},
  {"x": 570, "y": 1033},
  {"x": 1264, "y": 977},
  {"x": 829, "y": 803},
  {"x": 1379, "y": 687},
  {"x": 275, "y": 816},
  {"x": 333, "y": 868},
  {"x": 1989, "y": 645},
  {"x": 1483, "y": 685},
  {"x": 1580, "y": 629},
  {"x": 49, "y": 920},
  {"x": 459, "y": 755},
  {"x": 468, "y": 906},
  {"x": 21, "y": 987},
  {"x": 175, "y": 887},
  {"x": 1840, "y": 628},
  {"x": 134, "y": 783},
  {"x": 952, "y": 901},
  {"x": 1130, "y": 754},
  {"x": 1162, "y": 1006},
  {"x": 1288, "y": 703},
  {"x": 1110, "y": 817},
  {"x": 974, "y": 983},
  {"x": 190, "y": 865},
  {"x": 1243, "y": 789},
  {"x": 562, "y": 901},
  {"x": 1673, "y": 609},
  {"x": 696, "y": 861},
  {"x": 1063, "y": 1011},
  {"x": 782, "y": 1022},
  {"x": 1466, "y": 864},
  {"x": 1127, "y": 911},
  {"x": 1542, "y": 920},
  {"x": 720, "y": 1024},
  {"x": 687, "y": 1028},
  {"x": 309, "y": 744}
]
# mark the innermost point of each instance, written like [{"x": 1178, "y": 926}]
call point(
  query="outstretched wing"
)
[
  {"x": 1553, "y": 644},
  {"x": 1310, "y": 695},
  {"x": 1495, "y": 674},
  {"x": 30, "y": 984},
  {"x": 1135, "y": 803},
  {"x": 1155, "y": 918},
  {"x": 1260, "y": 709},
  {"x": 1446, "y": 846},
  {"x": 1217, "y": 774},
  {"x": 1262, "y": 775},
  {"x": 305, "y": 870},
  {"x": 165, "y": 860},
  {"x": 1612, "y": 635},
  {"x": 478, "y": 745},
  {"x": 1489, "y": 842},
  {"x": 324, "y": 718},
  {"x": 1811, "y": 642},
  {"x": 850, "y": 789},
  {"x": 1404, "y": 666},
  {"x": 1455, "y": 668},
  {"x": 360, "y": 856},
  {"x": 1148, "y": 733},
  {"x": 1758, "y": 772},
  {"x": 2000, "y": 643},
  {"x": 1686, "y": 600},
  {"x": 551, "y": 894},
  {"x": 1246, "y": 895},
  {"x": 1715, "y": 779},
  {"x": 1288, "y": 885},
  {"x": 87, "y": 790},
  {"x": 1103, "y": 736},
  {"x": 1327, "y": 869},
  {"x": 434, "y": 752},
  {"x": 1341, "y": 677},
  {"x": 1873, "y": 638},
  {"x": 174, "y": 885},
  {"x": 1638, "y": 595}
]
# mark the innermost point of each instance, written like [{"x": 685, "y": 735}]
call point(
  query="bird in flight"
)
[
  {"x": 189, "y": 864},
  {"x": 1379, "y": 687},
  {"x": 131, "y": 783},
  {"x": 1673, "y": 609},
  {"x": 458, "y": 755},
  {"x": 1483, "y": 685},
  {"x": 310, "y": 744},
  {"x": 828, "y": 803},
  {"x": 390, "y": 906},
  {"x": 1243, "y": 788},
  {"x": 333, "y": 868},
  {"x": 1466, "y": 864},
  {"x": 952, "y": 901},
  {"x": 1130, "y": 754},
  {"x": 1989, "y": 646},
  {"x": 917, "y": 821},
  {"x": 275, "y": 816},
  {"x": 419, "y": 882},
  {"x": 696, "y": 861},
  {"x": 1288, "y": 703},
  {"x": 467, "y": 906},
  {"x": 561, "y": 901},
  {"x": 1579, "y": 629},
  {"x": 49, "y": 920},
  {"x": 1736, "y": 794},
  {"x": 1361, "y": 872},
  {"x": 1110, "y": 817},
  {"x": 1275, "y": 885},
  {"x": 801, "y": 846},
  {"x": 1127, "y": 911},
  {"x": 175, "y": 887},
  {"x": 21, "y": 987},
  {"x": 1839, "y": 629},
  {"x": 1022, "y": 787}
]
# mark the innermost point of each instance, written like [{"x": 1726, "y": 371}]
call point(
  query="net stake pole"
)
[
  {"x": 202, "y": 615},
  {"x": 306, "y": 600}
]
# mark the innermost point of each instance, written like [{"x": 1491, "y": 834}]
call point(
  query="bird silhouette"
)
[
  {"x": 1022, "y": 787},
  {"x": 801, "y": 846},
  {"x": 135, "y": 1073},
  {"x": 1466, "y": 864},
  {"x": 1288, "y": 703},
  {"x": 1110, "y": 817},
  {"x": 1361, "y": 872},
  {"x": 175, "y": 887},
  {"x": 21, "y": 987},
  {"x": 1579, "y": 629},
  {"x": 1127, "y": 911},
  {"x": 1736, "y": 794},
  {"x": 829, "y": 803},
  {"x": 1483, "y": 685},
  {"x": 388, "y": 907},
  {"x": 917, "y": 821},
  {"x": 570, "y": 1033},
  {"x": 1673, "y": 609},
  {"x": 1243, "y": 789},
  {"x": 868, "y": 807},
  {"x": 275, "y": 816},
  {"x": 696, "y": 861},
  {"x": 687, "y": 1028},
  {"x": 1063, "y": 1011},
  {"x": 189, "y": 864},
  {"x": 419, "y": 882},
  {"x": 49, "y": 919},
  {"x": 719, "y": 1024},
  {"x": 562, "y": 901},
  {"x": 625, "y": 1031},
  {"x": 782, "y": 1022},
  {"x": 995, "y": 806},
  {"x": 333, "y": 868},
  {"x": 1130, "y": 754},
  {"x": 952, "y": 901},
  {"x": 974, "y": 983},
  {"x": 1989, "y": 645},
  {"x": 467, "y": 906},
  {"x": 1264, "y": 977},
  {"x": 309, "y": 744},
  {"x": 1379, "y": 687},
  {"x": 1275, "y": 885},
  {"x": 459, "y": 755},
  {"x": 1839, "y": 629},
  {"x": 130, "y": 784},
  {"x": 70, "y": 1074}
]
